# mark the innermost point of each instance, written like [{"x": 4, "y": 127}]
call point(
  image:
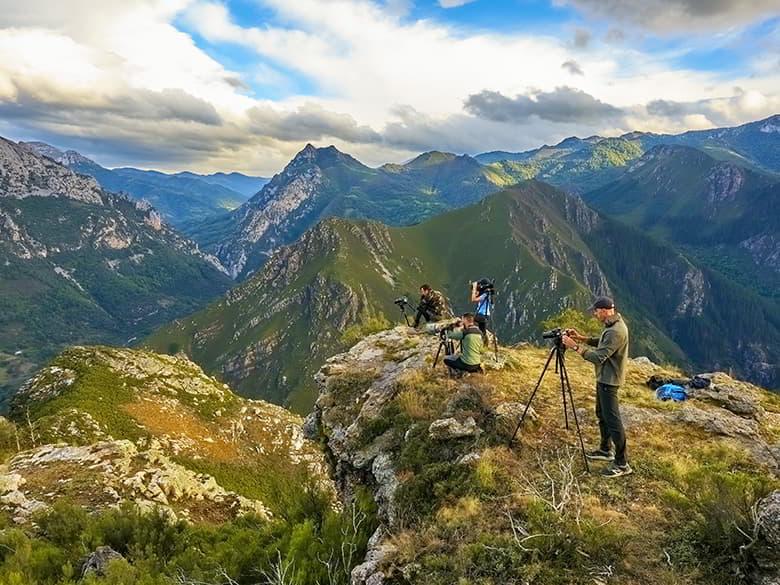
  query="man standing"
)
[
  {"x": 480, "y": 294},
  {"x": 432, "y": 305},
  {"x": 610, "y": 358},
  {"x": 470, "y": 357}
]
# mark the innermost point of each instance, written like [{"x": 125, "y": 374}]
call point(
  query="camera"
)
[
  {"x": 401, "y": 301},
  {"x": 485, "y": 285},
  {"x": 556, "y": 333}
]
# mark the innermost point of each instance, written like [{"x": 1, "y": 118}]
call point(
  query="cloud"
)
[
  {"x": 563, "y": 104},
  {"x": 572, "y": 67},
  {"x": 125, "y": 82},
  {"x": 678, "y": 15},
  {"x": 581, "y": 38},
  {"x": 614, "y": 36},
  {"x": 453, "y": 3},
  {"x": 309, "y": 122},
  {"x": 707, "y": 113}
]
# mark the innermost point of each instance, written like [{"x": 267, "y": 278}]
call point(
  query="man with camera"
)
[
  {"x": 470, "y": 357},
  {"x": 481, "y": 292},
  {"x": 610, "y": 357},
  {"x": 432, "y": 305}
]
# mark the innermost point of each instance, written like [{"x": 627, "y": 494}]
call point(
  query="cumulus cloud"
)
[
  {"x": 124, "y": 82},
  {"x": 679, "y": 15},
  {"x": 563, "y": 104},
  {"x": 707, "y": 113},
  {"x": 309, "y": 122},
  {"x": 572, "y": 67}
]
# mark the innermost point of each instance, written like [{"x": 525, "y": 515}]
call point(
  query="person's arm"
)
[
  {"x": 611, "y": 341},
  {"x": 592, "y": 341},
  {"x": 455, "y": 334},
  {"x": 474, "y": 295}
]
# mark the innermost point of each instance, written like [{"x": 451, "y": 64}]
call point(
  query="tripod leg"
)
[
  {"x": 574, "y": 413},
  {"x": 531, "y": 398},
  {"x": 436, "y": 359},
  {"x": 559, "y": 366}
]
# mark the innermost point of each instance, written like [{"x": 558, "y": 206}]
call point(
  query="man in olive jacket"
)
[{"x": 610, "y": 358}]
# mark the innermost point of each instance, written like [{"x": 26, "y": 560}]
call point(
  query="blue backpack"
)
[{"x": 671, "y": 392}]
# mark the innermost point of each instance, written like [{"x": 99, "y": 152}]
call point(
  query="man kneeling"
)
[{"x": 470, "y": 357}]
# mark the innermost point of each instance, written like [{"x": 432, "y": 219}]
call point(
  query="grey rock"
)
[
  {"x": 98, "y": 561},
  {"x": 767, "y": 549},
  {"x": 450, "y": 428},
  {"x": 387, "y": 483},
  {"x": 769, "y": 519},
  {"x": 367, "y": 572},
  {"x": 732, "y": 399},
  {"x": 508, "y": 415},
  {"x": 469, "y": 458}
]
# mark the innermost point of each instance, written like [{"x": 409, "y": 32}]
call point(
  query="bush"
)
[
  {"x": 312, "y": 542},
  {"x": 716, "y": 508}
]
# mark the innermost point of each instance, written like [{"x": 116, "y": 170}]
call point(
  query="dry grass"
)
[{"x": 176, "y": 422}]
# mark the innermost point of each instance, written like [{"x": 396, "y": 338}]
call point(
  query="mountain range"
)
[
  {"x": 753, "y": 144},
  {"x": 180, "y": 198},
  {"x": 717, "y": 211},
  {"x": 547, "y": 250},
  {"x": 78, "y": 264}
]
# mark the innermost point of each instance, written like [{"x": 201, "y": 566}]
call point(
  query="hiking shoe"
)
[
  {"x": 617, "y": 470},
  {"x": 600, "y": 455}
]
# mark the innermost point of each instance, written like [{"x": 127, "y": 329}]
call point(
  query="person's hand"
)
[
  {"x": 576, "y": 335},
  {"x": 568, "y": 342}
]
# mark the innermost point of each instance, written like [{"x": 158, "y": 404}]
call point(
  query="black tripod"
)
[
  {"x": 402, "y": 304},
  {"x": 446, "y": 344},
  {"x": 489, "y": 322},
  {"x": 557, "y": 351}
]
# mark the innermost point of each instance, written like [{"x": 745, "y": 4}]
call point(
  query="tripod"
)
[
  {"x": 402, "y": 306},
  {"x": 557, "y": 352},
  {"x": 444, "y": 343},
  {"x": 489, "y": 324}
]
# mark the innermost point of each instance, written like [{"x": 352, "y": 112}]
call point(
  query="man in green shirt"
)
[
  {"x": 470, "y": 336},
  {"x": 610, "y": 358}
]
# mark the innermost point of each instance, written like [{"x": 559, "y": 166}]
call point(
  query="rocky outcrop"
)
[
  {"x": 102, "y": 426},
  {"x": 381, "y": 403},
  {"x": 108, "y": 473},
  {"x": 97, "y": 562}
]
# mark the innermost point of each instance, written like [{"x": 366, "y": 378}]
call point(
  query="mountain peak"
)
[
  {"x": 322, "y": 156},
  {"x": 433, "y": 157},
  {"x": 67, "y": 158}
]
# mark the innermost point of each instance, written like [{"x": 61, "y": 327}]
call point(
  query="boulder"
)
[
  {"x": 508, "y": 415},
  {"x": 98, "y": 561},
  {"x": 732, "y": 399},
  {"x": 450, "y": 428},
  {"x": 768, "y": 548}
]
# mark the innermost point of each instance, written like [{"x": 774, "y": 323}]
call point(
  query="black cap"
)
[{"x": 602, "y": 303}]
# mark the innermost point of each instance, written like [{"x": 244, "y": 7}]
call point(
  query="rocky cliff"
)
[
  {"x": 458, "y": 505},
  {"x": 81, "y": 265}
]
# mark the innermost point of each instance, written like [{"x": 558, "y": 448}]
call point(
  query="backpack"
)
[{"x": 671, "y": 392}]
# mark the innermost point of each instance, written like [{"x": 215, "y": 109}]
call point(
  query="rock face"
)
[
  {"x": 108, "y": 473},
  {"x": 81, "y": 265},
  {"x": 383, "y": 414},
  {"x": 102, "y": 426},
  {"x": 98, "y": 561}
]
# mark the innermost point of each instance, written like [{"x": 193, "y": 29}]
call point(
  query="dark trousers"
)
[
  {"x": 610, "y": 424},
  {"x": 426, "y": 314},
  {"x": 454, "y": 362}
]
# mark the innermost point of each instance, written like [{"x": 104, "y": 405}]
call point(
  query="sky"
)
[{"x": 223, "y": 85}]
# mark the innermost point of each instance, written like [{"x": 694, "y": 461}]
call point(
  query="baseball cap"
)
[{"x": 602, "y": 303}]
